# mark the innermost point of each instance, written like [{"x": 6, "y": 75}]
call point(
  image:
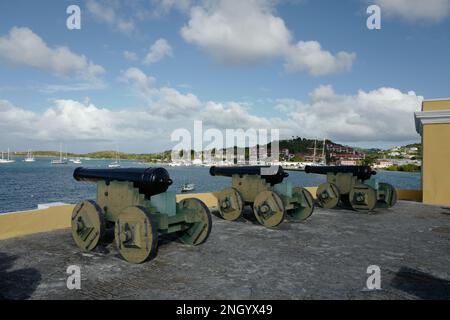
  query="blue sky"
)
[{"x": 310, "y": 68}]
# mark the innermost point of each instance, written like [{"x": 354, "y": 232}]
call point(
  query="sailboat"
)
[
  {"x": 186, "y": 187},
  {"x": 8, "y": 160},
  {"x": 60, "y": 160},
  {"x": 322, "y": 162},
  {"x": 29, "y": 157},
  {"x": 115, "y": 164}
]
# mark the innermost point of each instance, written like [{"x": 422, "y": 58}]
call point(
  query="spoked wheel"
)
[
  {"x": 201, "y": 226},
  {"x": 269, "y": 209},
  {"x": 231, "y": 204},
  {"x": 387, "y": 195},
  {"x": 305, "y": 205},
  {"x": 363, "y": 197},
  {"x": 136, "y": 234},
  {"x": 88, "y": 225},
  {"x": 328, "y": 195}
]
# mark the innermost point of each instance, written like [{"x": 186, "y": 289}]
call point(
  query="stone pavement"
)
[{"x": 325, "y": 257}]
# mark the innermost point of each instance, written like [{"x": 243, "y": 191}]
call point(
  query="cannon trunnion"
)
[
  {"x": 263, "y": 188},
  {"x": 353, "y": 186},
  {"x": 135, "y": 206}
]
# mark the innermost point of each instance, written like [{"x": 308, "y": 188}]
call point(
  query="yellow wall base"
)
[
  {"x": 29, "y": 222},
  {"x": 24, "y": 223}
]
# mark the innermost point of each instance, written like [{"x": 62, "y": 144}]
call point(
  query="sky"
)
[{"x": 138, "y": 70}]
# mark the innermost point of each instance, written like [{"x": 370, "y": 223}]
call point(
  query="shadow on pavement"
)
[
  {"x": 16, "y": 284},
  {"x": 420, "y": 284}
]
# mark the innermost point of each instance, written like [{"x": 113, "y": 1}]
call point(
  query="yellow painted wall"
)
[
  {"x": 410, "y": 195},
  {"x": 436, "y": 157},
  {"x": 436, "y": 164},
  {"x": 210, "y": 199},
  {"x": 436, "y": 105},
  {"x": 36, "y": 221}
]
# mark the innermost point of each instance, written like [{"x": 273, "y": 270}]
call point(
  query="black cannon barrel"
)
[
  {"x": 272, "y": 174},
  {"x": 362, "y": 172},
  {"x": 150, "y": 181}
]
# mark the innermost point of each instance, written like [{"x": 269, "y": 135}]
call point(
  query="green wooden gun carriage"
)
[
  {"x": 354, "y": 186},
  {"x": 263, "y": 188},
  {"x": 135, "y": 204}
]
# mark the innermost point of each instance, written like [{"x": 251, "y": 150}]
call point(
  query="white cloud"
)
[
  {"x": 385, "y": 114},
  {"x": 165, "y": 102},
  {"x": 69, "y": 120},
  {"x": 143, "y": 84},
  {"x": 309, "y": 56},
  {"x": 13, "y": 120},
  {"x": 73, "y": 87},
  {"x": 234, "y": 115},
  {"x": 247, "y": 32},
  {"x": 23, "y": 47},
  {"x": 130, "y": 56},
  {"x": 416, "y": 10},
  {"x": 381, "y": 115},
  {"x": 237, "y": 31},
  {"x": 162, "y": 7},
  {"x": 106, "y": 13},
  {"x": 158, "y": 51}
]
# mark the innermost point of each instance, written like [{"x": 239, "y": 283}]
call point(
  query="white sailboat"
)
[
  {"x": 322, "y": 159},
  {"x": 187, "y": 187},
  {"x": 7, "y": 160},
  {"x": 115, "y": 164},
  {"x": 29, "y": 157},
  {"x": 60, "y": 160}
]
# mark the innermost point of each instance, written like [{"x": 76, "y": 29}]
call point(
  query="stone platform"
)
[{"x": 325, "y": 257}]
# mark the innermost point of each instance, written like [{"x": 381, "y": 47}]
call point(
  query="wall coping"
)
[{"x": 430, "y": 117}]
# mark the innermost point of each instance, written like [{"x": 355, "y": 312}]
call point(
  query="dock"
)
[{"x": 325, "y": 257}]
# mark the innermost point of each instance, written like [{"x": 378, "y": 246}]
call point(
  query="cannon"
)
[
  {"x": 135, "y": 206},
  {"x": 354, "y": 186},
  {"x": 262, "y": 187}
]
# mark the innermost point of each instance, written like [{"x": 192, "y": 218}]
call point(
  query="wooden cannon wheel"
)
[
  {"x": 269, "y": 209},
  {"x": 328, "y": 195},
  {"x": 387, "y": 195},
  {"x": 231, "y": 204},
  {"x": 136, "y": 234},
  {"x": 201, "y": 227},
  {"x": 304, "y": 207},
  {"x": 363, "y": 197},
  {"x": 88, "y": 225}
]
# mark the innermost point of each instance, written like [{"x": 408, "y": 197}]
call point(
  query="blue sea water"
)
[{"x": 25, "y": 185}]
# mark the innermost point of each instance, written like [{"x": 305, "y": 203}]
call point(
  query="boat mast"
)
[
  {"x": 315, "y": 145},
  {"x": 323, "y": 152}
]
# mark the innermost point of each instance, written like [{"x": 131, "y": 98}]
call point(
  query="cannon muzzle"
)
[
  {"x": 272, "y": 174},
  {"x": 149, "y": 181},
  {"x": 362, "y": 172}
]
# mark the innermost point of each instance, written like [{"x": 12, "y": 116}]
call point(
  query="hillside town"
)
[{"x": 297, "y": 153}]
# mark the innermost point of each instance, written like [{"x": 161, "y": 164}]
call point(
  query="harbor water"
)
[{"x": 24, "y": 185}]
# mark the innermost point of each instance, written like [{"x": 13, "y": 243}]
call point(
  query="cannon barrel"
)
[
  {"x": 149, "y": 181},
  {"x": 272, "y": 174},
  {"x": 362, "y": 172}
]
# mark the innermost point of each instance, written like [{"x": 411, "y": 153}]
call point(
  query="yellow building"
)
[{"x": 433, "y": 124}]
